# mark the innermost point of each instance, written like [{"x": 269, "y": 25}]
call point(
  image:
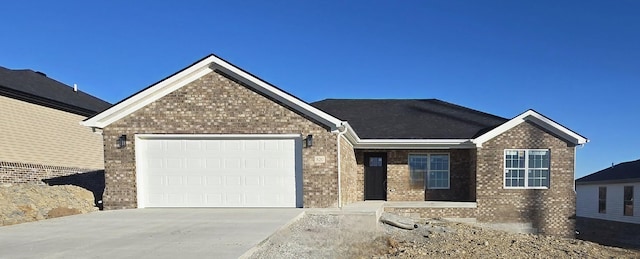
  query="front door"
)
[{"x": 375, "y": 176}]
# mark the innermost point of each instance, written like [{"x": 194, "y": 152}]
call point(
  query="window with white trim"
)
[
  {"x": 628, "y": 201},
  {"x": 526, "y": 168},
  {"x": 433, "y": 167}
]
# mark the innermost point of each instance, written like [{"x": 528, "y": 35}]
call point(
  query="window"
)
[
  {"x": 628, "y": 200},
  {"x": 435, "y": 167},
  {"x": 602, "y": 200},
  {"x": 526, "y": 168},
  {"x": 375, "y": 161}
]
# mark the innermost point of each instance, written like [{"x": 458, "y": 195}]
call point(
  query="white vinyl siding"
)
[{"x": 587, "y": 202}]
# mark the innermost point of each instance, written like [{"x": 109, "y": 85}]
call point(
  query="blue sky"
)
[{"x": 576, "y": 62}]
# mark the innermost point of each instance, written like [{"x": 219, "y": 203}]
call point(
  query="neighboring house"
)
[
  {"x": 608, "y": 207},
  {"x": 213, "y": 135},
  {"x": 41, "y": 133}
]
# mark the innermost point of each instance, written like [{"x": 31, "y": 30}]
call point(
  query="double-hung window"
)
[
  {"x": 602, "y": 199},
  {"x": 628, "y": 201},
  {"x": 526, "y": 168},
  {"x": 433, "y": 167}
]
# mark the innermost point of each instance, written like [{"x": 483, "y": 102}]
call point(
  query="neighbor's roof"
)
[
  {"x": 623, "y": 172},
  {"x": 35, "y": 87},
  {"x": 410, "y": 118}
]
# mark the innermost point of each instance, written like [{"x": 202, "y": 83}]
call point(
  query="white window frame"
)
[
  {"x": 526, "y": 169},
  {"x": 425, "y": 180}
]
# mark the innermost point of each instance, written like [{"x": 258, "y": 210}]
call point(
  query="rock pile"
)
[{"x": 30, "y": 202}]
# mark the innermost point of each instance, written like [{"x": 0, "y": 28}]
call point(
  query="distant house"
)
[
  {"x": 214, "y": 135},
  {"x": 40, "y": 127},
  {"x": 608, "y": 206}
]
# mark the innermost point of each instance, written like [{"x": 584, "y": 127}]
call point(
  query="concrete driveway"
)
[{"x": 145, "y": 233}]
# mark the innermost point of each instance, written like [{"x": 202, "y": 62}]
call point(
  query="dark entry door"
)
[{"x": 375, "y": 176}]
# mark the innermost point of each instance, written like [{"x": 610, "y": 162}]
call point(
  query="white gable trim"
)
[
  {"x": 539, "y": 120},
  {"x": 191, "y": 74}
]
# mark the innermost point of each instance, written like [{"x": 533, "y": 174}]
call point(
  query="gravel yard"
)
[{"x": 337, "y": 236}]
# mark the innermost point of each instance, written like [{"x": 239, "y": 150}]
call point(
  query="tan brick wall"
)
[
  {"x": 433, "y": 212},
  {"x": 34, "y": 173},
  {"x": 351, "y": 179},
  {"x": 399, "y": 187},
  {"x": 33, "y": 134},
  {"x": 217, "y": 104},
  {"x": 549, "y": 209}
]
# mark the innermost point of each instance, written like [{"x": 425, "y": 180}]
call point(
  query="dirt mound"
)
[
  {"x": 457, "y": 240},
  {"x": 338, "y": 236},
  {"x": 30, "y": 202}
]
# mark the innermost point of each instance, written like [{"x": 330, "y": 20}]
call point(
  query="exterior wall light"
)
[
  {"x": 122, "y": 141},
  {"x": 308, "y": 142}
]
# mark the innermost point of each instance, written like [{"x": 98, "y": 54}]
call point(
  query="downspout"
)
[
  {"x": 575, "y": 165},
  {"x": 341, "y": 131}
]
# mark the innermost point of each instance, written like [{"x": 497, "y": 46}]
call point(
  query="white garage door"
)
[{"x": 180, "y": 172}]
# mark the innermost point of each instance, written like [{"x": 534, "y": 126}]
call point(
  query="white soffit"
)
[
  {"x": 414, "y": 144},
  {"x": 194, "y": 72},
  {"x": 538, "y": 119}
]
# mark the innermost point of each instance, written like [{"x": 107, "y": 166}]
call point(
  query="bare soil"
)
[
  {"x": 21, "y": 203},
  {"x": 337, "y": 236}
]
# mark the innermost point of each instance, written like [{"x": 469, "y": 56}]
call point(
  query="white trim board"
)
[
  {"x": 190, "y": 74},
  {"x": 538, "y": 119}
]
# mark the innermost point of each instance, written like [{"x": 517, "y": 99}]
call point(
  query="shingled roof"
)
[
  {"x": 623, "y": 172},
  {"x": 35, "y": 87},
  {"x": 410, "y": 118}
]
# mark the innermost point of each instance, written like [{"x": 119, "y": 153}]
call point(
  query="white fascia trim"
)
[
  {"x": 536, "y": 118},
  {"x": 194, "y": 72},
  {"x": 277, "y": 94},
  {"x": 149, "y": 95},
  {"x": 358, "y": 143},
  {"x": 414, "y": 144},
  {"x": 217, "y": 136}
]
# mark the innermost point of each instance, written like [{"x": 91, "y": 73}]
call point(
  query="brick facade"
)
[
  {"x": 351, "y": 179},
  {"x": 218, "y": 104},
  {"x": 427, "y": 213},
  {"x": 34, "y": 173},
  {"x": 549, "y": 210},
  {"x": 400, "y": 188}
]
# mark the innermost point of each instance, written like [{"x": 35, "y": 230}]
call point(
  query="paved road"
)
[{"x": 145, "y": 233}]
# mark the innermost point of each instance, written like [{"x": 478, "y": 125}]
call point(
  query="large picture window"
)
[
  {"x": 526, "y": 168},
  {"x": 433, "y": 167}
]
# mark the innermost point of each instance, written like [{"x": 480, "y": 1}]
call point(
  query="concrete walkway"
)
[{"x": 145, "y": 233}]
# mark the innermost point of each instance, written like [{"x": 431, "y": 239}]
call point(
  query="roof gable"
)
[
  {"x": 623, "y": 172},
  {"x": 193, "y": 72},
  {"x": 409, "y": 118},
  {"x": 35, "y": 87},
  {"x": 538, "y": 119}
]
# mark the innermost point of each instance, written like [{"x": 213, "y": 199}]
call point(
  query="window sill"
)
[{"x": 525, "y": 188}]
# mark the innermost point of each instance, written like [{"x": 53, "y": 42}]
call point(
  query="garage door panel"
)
[
  {"x": 213, "y": 181},
  {"x": 219, "y": 173},
  {"x": 232, "y": 163},
  {"x": 195, "y": 180}
]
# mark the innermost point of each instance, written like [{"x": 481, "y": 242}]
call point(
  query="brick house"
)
[
  {"x": 40, "y": 126},
  {"x": 213, "y": 135},
  {"x": 609, "y": 199}
]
